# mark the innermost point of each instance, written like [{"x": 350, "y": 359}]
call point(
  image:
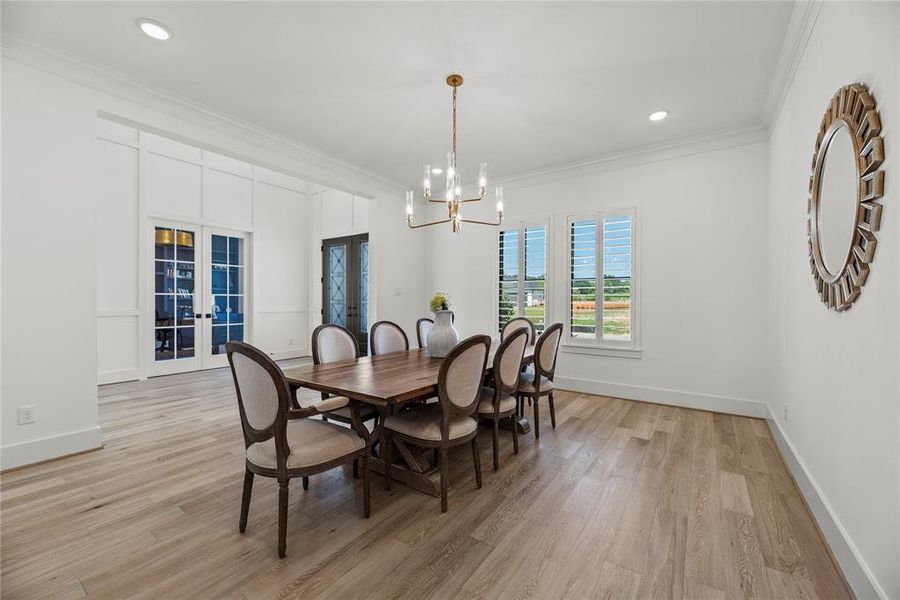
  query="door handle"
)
[
  {"x": 198, "y": 315},
  {"x": 208, "y": 316}
]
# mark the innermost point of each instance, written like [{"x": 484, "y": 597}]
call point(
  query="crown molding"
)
[
  {"x": 638, "y": 156},
  {"x": 115, "y": 83},
  {"x": 799, "y": 30}
]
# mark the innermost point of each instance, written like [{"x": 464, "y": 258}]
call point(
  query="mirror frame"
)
[{"x": 852, "y": 107}]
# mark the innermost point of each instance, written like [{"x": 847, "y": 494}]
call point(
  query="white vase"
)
[{"x": 443, "y": 336}]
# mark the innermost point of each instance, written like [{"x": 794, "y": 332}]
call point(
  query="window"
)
[
  {"x": 602, "y": 243},
  {"x": 522, "y": 281}
]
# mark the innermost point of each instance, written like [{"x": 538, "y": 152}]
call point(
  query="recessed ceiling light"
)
[
  {"x": 154, "y": 29},
  {"x": 658, "y": 115},
  {"x": 437, "y": 171}
]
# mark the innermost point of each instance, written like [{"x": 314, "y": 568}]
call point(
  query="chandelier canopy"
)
[{"x": 453, "y": 187}]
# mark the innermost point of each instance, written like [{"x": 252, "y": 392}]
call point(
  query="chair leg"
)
[
  {"x": 496, "y": 443},
  {"x": 366, "y": 494},
  {"x": 515, "y": 431},
  {"x": 282, "y": 516},
  {"x": 356, "y": 468},
  {"x": 552, "y": 411},
  {"x": 245, "y": 500},
  {"x": 537, "y": 420},
  {"x": 444, "y": 482},
  {"x": 306, "y": 483},
  {"x": 476, "y": 458},
  {"x": 388, "y": 442}
]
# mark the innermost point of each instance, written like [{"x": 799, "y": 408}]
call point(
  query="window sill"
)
[{"x": 603, "y": 351}]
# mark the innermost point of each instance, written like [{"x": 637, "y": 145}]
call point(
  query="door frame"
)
[{"x": 203, "y": 358}]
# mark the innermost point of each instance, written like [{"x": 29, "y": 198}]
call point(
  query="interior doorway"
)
[{"x": 345, "y": 285}]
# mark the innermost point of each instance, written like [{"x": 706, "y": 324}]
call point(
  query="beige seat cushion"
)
[
  {"x": 312, "y": 442},
  {"x": 486, "y": 402},
  {"x": 425, "y": 423},
  {"x": 526, "y": 384}
]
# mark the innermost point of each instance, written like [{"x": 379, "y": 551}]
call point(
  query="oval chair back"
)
[
  {"x": 423, "y": 328},
  {"x": 387, "y": 337},
  {"x": 545, "y": 352},
  {"x": 333, "y": 343},
  {"x": 508, "y": 362},
  {"x": 263, "y": 397},
  {"x": 460, "y": 379},
  {"x": 517, "y": 324}
]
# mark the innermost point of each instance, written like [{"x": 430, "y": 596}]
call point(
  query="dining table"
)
[{"x": 389, "y": 383}]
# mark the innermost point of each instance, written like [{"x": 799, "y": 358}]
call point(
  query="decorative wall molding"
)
[
  {"x": 115, "y": 83},
  {"x": 800, "y": 27},
  {"x": 859, "y": 575},
  {"x": 34, "y": 451},
  {"x": 701, "y": 401},
  {"x": 637, "y": 156}
]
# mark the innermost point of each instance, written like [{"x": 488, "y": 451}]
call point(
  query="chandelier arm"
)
[
  {"x": 478, "y": 199},
  {"x": 491, "y": 223},
  {"x": 411, "y": 226}
]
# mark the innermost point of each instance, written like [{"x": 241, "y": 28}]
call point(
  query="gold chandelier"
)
[{"x": 453, "y": 192}]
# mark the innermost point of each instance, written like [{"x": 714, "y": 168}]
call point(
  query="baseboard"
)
[
  {"x": 285, "y": 354},
  {"x": 26, "y": 453},
  {"x": 105, "y": 377},
  {"x": 722, "y": 404},
  {"x": 857, "y": 572}
]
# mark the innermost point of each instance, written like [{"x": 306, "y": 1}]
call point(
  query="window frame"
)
[
  {"x": 520, "y": 227},
  {"x": 629, "y": 348}
]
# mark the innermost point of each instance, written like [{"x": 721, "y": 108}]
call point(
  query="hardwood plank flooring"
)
[{"x": 623, "y": 499}]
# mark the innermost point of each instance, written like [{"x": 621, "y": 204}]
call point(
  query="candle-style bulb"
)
[
  {"x": 427, "y": 181},
  {"x": 482, "y": 178},
  {"x": 409, "y": 204},
  {"x": 498, "y": 194}
]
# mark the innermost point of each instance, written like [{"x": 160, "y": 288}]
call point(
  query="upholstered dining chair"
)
[
  {"x": 386, "y": 337},
  {"x": 516, "y": 324},
  {"x": 450, "y": 422},
  {"x": 499, "y": 402},
  {"x": 332, "y": 343},
  {"x": 281, "y": 442},
  {"x": 539, "y": 383},
  {"x": 423, "y": 328}
]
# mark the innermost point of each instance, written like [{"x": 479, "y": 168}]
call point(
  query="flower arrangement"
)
[{"x": 440, "y": 301}]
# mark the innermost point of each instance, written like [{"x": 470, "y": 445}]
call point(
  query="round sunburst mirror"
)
[{"x": 844, "y": 187}]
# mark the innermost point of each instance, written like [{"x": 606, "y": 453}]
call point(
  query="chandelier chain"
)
[{"x": 453, "y": 135}]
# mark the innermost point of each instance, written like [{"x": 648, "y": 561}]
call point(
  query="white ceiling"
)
[{"x": 546, "y": 84}]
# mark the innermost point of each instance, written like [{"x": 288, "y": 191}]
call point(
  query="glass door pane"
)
[
  {"x": 174, "y": 278},
  {"x": 227, "y": 290}
]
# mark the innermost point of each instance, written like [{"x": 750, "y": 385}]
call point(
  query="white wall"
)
[
  {"x": 837, "y": 397},
  {"x": 702, "y": 238},
  {"x": 145, "y": 179},
  {"x": 49, "y": 275},
  {"x": 50, "y": 214}
]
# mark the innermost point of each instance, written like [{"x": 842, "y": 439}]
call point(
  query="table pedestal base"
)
[{"x": 428, "y": 482}]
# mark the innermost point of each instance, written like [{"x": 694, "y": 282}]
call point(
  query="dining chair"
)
[
  {"x": 423, "y": 328},
  {"x": 332, "y": 343},
  {"x": 539, "y": 383},
  {"x": 450, "y": 422},
  {"x": 516, "y": 324},
  {"x": 499, "y": 402},
  {"x": 281, "y": 442},
  {"x": 386, "y": 337}
]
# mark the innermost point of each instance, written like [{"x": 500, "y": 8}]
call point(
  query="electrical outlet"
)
[{"x": 26, "y": 415}]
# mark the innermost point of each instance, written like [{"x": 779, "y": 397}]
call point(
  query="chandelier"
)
[{"x": 453, "y": 186}]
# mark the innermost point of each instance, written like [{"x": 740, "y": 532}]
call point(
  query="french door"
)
[
  {"x": 345, "y": 285},
  {"x": 200, "y": 296}
]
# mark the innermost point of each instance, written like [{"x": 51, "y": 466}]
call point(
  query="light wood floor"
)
[{"x": 623, "y": 499}]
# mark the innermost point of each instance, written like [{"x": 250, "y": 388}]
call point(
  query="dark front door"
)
[{"x": 345, "y": 285}]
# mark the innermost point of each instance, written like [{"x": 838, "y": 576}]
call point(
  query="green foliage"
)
[{"x": 440, "y": 301}]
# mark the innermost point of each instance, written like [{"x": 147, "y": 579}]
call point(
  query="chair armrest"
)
[
  {"x": 302, "y": 413},
  {"x": 332, "y": 403}
]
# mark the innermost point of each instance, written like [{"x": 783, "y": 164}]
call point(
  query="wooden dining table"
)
[{"x": 388, "y": 382}]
